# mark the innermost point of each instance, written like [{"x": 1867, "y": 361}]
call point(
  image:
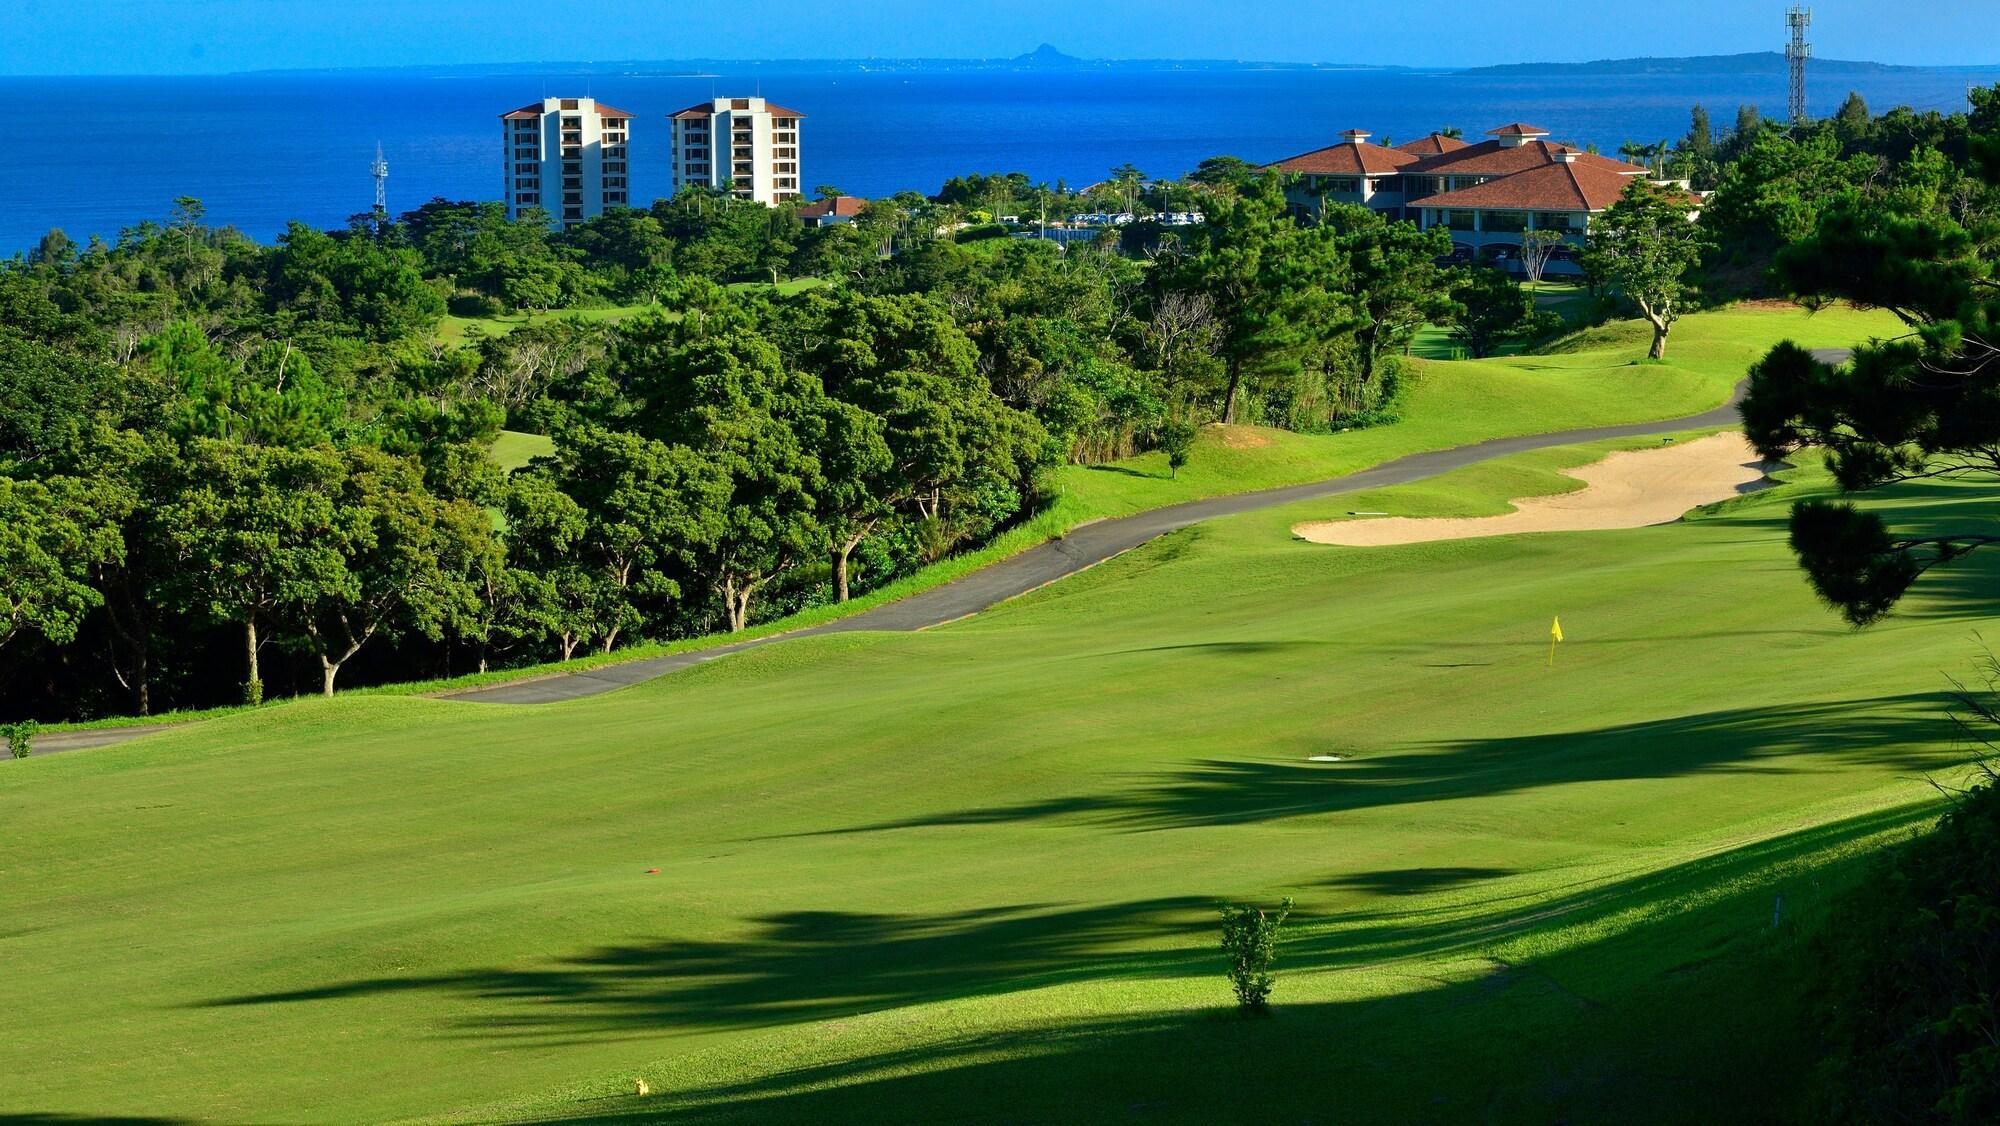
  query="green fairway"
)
[
  {"x": 1592, "y": 381},
  {"x": 513, "y": 449},
  {"x": 971, "y": 873}
]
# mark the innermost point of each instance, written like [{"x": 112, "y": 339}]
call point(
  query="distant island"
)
[
  {"x": 1048, "y": 57},
  {"x": 1751, "y": 62}
]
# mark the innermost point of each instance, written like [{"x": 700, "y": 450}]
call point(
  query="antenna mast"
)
[
  {"x": 1796, "y": 52},
  {"x": 381, "y": 171}
]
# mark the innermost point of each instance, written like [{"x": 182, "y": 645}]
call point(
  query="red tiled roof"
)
[
  {"x": 845, "y": 207},
  {"x": 1348, "y": 158},
  {"x": 1556, "y": 186},
  {"x": 707, "y": 109},
  {"x": 1434, "y": 144},
  {"x": 534, "y": 109},
  {"x": 1516, "y": 129},
  {"x": 1491, "y": 158}
]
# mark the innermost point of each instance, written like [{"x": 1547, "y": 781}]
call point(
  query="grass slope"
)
[{"x": 971, "y": 873}]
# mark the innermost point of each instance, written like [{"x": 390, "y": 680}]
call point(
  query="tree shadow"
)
[
  {"x": 1572, "y": 1035},
  {"x": 1895, "y": 731},
  {"x": 801, "y": 966},
  {"x": 1128, "y": 471},
  {"x": 797, "y": 965},
  {"x": 1414, "y": 881}
]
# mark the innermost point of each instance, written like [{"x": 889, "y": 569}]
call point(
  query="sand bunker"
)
[{"x": 1630, "y": 489}]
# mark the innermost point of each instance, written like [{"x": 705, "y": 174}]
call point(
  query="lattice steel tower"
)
[
  {"x": 1796, "y": 52},
  {"x": 381, "y": 171}
]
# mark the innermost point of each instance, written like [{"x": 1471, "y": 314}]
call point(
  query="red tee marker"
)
[{"x": 652, "y": 871}]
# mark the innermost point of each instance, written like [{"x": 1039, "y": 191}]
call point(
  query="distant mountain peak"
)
[{"x": 1046, "y": 55}]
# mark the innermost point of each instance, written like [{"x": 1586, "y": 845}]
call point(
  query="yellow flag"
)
[{"x": 1556, "y": 630}]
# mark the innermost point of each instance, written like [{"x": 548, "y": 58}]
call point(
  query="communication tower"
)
[
  {"x": 1796, "y": 53},
  {"x": 380, "y": 168}
]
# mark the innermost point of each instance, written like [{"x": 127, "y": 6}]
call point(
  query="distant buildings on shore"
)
[
  {"x": 570, "y": 156},
  {"x": 567, "y": 156},
  {"x": 1487, "y": 194}
]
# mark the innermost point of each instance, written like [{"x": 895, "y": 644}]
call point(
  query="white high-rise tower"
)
[{"x": 566, "y": 156}]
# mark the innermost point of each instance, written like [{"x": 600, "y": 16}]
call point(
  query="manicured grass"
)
[
  {"x": 970, "y": 873},
  {"x": 1591, "y": 381},
  {"x": 514, "y": 449}
]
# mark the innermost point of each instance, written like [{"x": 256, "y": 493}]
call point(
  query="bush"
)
[
  {"x": 1250, "y": 940},
  {"x": 981, "y": 233},
  {"x": 19, "y": 736},
  {"x": 475, "y": 305},
  {"x": 1176, "y": 438},
  {"x": 1909, "y": 975}
]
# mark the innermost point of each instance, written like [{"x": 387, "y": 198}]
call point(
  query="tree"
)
[
  {"x": 255, "y": 531},
  {"x": 1256, "y": 268},
  {"x": 1223, "y": 172},
  {"x": 1852, "y": 122},
  {"x": 51, "y": 534},
  {"x": 1537, "y": 247},
  {"x": 1393, "y": 283},
  {"x": 723, "y": 392},
  {"x": 409, "y": 559},
  {"x": 1250, "y": 942},
  {"x": 1914, "y": 407},
  {"x": 642, "y": 511},
  {"x": 1643, "y": 245},
  {"x": 1176, "y": 439},
  {"x": 1490, "y": 308}
]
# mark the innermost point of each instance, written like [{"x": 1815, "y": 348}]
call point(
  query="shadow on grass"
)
[
  {"x": 1128, "y": 471},
  {"x": 1895, "y": 731},
  {"x": 795, "y": 967},
  {"x": 1684, "y": 1005}
]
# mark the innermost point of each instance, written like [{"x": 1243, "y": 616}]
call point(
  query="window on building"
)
[
  {"x": 1555, "y": 220},
  {"x": 1456, "y": 220},
  {"x": 572, "y": 181},
  {"x": 572, "y": 212},
  {"x": 572, "y": 197},
  {"x": 1505, "y": 221},
  {"x": 573, "y": 168},
  {"x": 785, "y": 154},
  {"x": 526, "y": 197}
]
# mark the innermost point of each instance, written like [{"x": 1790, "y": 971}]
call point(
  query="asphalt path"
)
[{"x": 1082, "y": 547}]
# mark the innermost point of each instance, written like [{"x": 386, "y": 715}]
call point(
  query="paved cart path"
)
[{"x": 1083, "y": 547}]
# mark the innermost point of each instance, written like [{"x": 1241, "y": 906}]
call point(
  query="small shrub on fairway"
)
[
  {"x": 1250, "y": 940},
  {"x": 1177, "y": 439},
  {"x": 19, "y": 736}
]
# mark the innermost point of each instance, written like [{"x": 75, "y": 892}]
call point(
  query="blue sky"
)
[{"x": 212, "y": 36}]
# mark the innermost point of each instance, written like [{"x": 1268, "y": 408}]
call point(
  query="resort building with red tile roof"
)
[
  {"x": 828, "y": 212},
  {"x": 566, "y": 157},
  {"x": 748, "y": 146},
  {"x": 1487, "y": 194}
]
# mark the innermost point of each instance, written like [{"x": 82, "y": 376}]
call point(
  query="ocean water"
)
[{"x": 95, "y": 155}]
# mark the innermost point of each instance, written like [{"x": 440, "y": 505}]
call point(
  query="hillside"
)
[{"x": 970, "y": 873}]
